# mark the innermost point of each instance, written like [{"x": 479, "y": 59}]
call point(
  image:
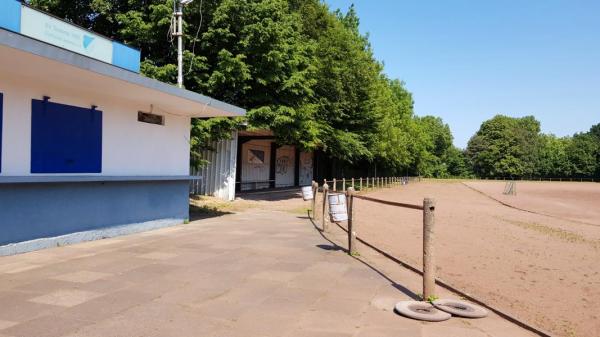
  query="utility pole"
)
[{"x": 179, "y": 33}]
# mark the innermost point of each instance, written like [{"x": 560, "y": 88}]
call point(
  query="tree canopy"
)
[
  {"x": 515, "y": 147},
  {"x": 308, "y": 74}
]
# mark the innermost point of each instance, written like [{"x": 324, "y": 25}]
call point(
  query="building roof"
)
[
  {"x": 256, "y": 133},
  {"x": 25, "y": 58}
]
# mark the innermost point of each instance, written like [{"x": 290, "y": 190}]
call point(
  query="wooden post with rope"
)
[
  {"x": 428, "y": 249},
  {"x": 315, "y": 188},
  {"x": 325, "y": 192},
  {"x": 351, "y": 229}
]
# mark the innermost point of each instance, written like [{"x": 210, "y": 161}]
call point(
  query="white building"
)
[
  {"x": 89, "y": 148},
  {"x": 252, "y": 160}
]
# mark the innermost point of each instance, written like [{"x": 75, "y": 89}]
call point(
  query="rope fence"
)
[
  {"x": 350, "y": 194},
  {"x": 386, "y": 202},
  {"x": 429, "y": 265}
]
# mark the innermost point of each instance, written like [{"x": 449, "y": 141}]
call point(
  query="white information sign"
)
[{"x": 56, "y": 32}]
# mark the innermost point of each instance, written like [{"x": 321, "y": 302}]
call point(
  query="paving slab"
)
[{"x": 255, "y": 273}]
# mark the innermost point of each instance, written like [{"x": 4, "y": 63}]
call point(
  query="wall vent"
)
[{"x": 146, "y": 117}]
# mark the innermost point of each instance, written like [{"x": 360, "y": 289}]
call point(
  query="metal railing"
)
[{"x": 367, "y": 183}]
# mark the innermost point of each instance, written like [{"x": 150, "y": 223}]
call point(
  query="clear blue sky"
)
[{"x": 468, "y": 60}]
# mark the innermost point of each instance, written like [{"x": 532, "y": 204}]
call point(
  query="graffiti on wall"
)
[
  {"x": 282, "y": 164},
  {"x": 306, "y": 168}
]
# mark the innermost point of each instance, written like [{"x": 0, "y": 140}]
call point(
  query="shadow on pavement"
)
[
  {"x": 336, "y": 247},
  {"x": 205, "y": 212},
  {"x": 270, "y": 194}
]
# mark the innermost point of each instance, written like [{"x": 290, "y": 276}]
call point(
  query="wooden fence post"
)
[
  {"x": 315, "y": 188},
  {"x": 428, "y": 249},
  {"x": 325, "y": 192},
  {"x": 334, "y": 185},
  {"x": 351, "y": 231},
  {"x": 353, "y": 183},
  {"x": 360, "y": 183},
  {"x": 343, "y": 184}
]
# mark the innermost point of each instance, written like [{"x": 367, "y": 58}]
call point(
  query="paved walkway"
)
[{"x": 255, "y": 273}]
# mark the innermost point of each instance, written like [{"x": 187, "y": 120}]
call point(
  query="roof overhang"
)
[
  {"x": 256, "y": 133},
  {"x": 27, "y": 58}
]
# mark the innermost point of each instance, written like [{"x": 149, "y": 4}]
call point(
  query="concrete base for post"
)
[
  {"x": 422, "y": 311},
  {"x": 460, "y": 308}
]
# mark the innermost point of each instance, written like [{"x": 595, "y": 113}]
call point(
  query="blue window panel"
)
[
  {"x": 65, "y": 138},
  {"x": 10, "y": 15},
  {"x": 126, "y": 57},
  {"x": 1, "y": 107}
]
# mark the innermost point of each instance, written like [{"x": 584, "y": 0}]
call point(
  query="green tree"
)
[
  {"x": 432, "y": 139},
  {"x": 457, "y": 163},
  {"x": 301, "y": 70},
  {"x": 505, "y": 147},
  {"x": 582, "y": 155},
  {"x": 552, "y": 158},
  {"x": 392, "y": 143}
]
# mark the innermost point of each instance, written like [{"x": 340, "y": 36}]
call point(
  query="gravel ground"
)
[{"x": 540, "y": 264}]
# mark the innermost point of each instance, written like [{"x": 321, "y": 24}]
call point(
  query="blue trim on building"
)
[
  {"x": 1, "y": 119},
  {"x": 35, "y": 211},
  {"x": 126, "y": 57},
  {"x": 10, "y": 15},
  {"x": 65, "y": 138},
  {"x": 53, "y": 179}
]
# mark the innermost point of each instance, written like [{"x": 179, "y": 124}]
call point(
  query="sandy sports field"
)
[{"x": 537, "y": 256}]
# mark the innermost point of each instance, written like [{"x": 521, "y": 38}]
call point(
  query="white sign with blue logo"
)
[{"x": 51, "y": 30}]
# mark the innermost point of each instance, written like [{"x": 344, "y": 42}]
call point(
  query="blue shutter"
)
[{"x": 65, "y": 138}]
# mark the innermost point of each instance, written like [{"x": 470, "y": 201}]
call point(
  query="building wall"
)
[
  {"x": 218, "y": 176},
  {"x": 129, "y": 147},
  {"x": 284, "y": 166},
  {"x": 40, "y": 210},
  {"x": 255, "y": 175},
  {"x": 306, "y": 168},
  {"x": 35, "y": 215},
  {"x": 255, "y": 172}
]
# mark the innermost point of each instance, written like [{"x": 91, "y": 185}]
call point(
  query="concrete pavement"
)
[{"x": 254, "y": 273}]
